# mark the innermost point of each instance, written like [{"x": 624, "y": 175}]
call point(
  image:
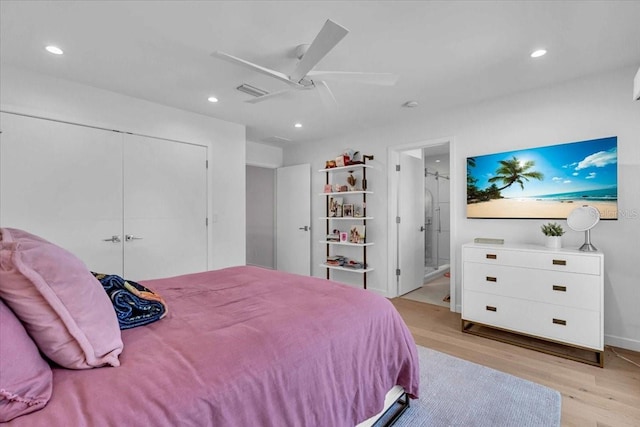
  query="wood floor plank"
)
[{"x": 591, "y": 396}]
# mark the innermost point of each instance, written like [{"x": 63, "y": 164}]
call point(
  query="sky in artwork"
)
[{"x": 567, "y": 168}]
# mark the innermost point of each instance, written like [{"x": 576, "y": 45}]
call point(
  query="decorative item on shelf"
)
[
  {"x": 328, "y": 188},
  {"x": 334, "y": 237},
  {"x": 337, "y": 260},
  {"x": 330, "y": 164},
  {"x": 357, "y": 212},
  {"x": 343, "y": 236},
  {"x": 335, "y": 207},
  {"x": 350, "y": 156},
  {"x": 584, "y": 218},
  {"x": 351, "y": 180},
  {"x": 356, "y": 265},
  {"x": 343, "y": 261},
  {"x": 347, "y": 210},
  {"x": 347, "y": 158},
  {"x": 554, "y": 233},
  {"x": 356, "y": 234}
]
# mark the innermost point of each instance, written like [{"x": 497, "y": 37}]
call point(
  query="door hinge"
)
[
  {"x": 397, "y": 220},
  {"x": 206, "y": 164},
  {"x": 397, "y": 271},
  {"x": 206, "y": 222},
  {"x": 397, "y": 168}
]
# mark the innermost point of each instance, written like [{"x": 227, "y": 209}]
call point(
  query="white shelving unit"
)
[{"x": 338, "y": 175}]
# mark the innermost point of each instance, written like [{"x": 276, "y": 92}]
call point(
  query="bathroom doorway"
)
[
  {"x": 437, "y": 234},
  {"x": 428, "y": 278}
]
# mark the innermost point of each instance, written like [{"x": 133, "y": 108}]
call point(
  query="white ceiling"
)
[{"x": 445, "y": 53}]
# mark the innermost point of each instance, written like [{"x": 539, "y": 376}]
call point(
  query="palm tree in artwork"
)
[{"x": 514, "y": 170}]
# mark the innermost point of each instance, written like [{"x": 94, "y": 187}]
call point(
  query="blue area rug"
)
[{"x": 454, "y": 392}]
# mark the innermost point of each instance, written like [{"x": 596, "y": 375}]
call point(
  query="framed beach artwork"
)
[{"x": 545, "y": 182}]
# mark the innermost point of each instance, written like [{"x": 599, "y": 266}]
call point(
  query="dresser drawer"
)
[
  {"x": 539, "y": 259},
  {"x": 565, "y": 324},
  {"x": 559, "y": 288}
]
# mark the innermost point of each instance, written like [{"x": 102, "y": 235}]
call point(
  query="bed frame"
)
[{"x": 395, "y": 403}]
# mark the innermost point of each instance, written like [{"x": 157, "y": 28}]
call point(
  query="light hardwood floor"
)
[{"x": 591, "y": 396}]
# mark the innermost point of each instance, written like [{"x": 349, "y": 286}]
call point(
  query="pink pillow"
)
[
  {"x": 25, "y": 378},
  {"x": 62, "y": 306}
]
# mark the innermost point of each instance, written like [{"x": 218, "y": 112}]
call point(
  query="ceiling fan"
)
[{"x": 304, "y": 77}]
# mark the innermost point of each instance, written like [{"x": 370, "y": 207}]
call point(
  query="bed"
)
[{"x": 245, "y": 346}]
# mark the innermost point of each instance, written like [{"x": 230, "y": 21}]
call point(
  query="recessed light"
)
[
  {"x": 54, "y": 49},
  {"x": 212, "y": 99},
  {"x": 538, "y": 53},
  {"x": 298, "y": 125},
  {"x": 438, "y": 161}
]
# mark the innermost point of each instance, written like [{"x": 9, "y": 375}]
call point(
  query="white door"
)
[
  {"x": 63, "y": 182},
  {"x": 411, "y": 227},
  {"x": 293, "y": 219},
  {"x": 165, "y": 208}
]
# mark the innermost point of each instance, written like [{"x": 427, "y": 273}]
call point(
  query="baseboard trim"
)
[{"x": 622, "y": 342}]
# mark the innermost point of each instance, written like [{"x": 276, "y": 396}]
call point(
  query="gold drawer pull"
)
[
  {"x": 559, "y": 262},
  {"x": 560, "y": 322},
  {"x": 492, "y": 256},
  {"x": 490, "y": 308},
  {"x": 492, "y": 279},
  {"x": 559, "y": 288}
]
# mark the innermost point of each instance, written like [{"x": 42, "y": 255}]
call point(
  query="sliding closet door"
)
[
  {"x": 63, "y": 182},
  {"x": 165, "y": 208}
]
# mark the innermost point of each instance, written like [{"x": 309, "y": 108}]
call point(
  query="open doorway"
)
[
  {"x": 436, "y": 285},
  {"x": 422, "y": 191},
  {"x": 260, "y": 202}
]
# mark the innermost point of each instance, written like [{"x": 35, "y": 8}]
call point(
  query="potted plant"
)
[{"x": 554, "y": 232}]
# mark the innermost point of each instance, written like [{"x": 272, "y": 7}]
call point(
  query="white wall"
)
[
  {"x": 263, "y": 155},
  {"x": 25, "y": 92},
  {"x": 588, "y": 108}
]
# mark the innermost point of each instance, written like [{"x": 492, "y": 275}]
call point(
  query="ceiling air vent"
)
[
  {"x": 276, "y": 140},
  {"x": 251, "y": 90}
]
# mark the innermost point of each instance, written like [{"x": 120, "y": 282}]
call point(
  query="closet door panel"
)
[
  {"x": 165, "y": 208},
  {"x": 63, "y": 182}
]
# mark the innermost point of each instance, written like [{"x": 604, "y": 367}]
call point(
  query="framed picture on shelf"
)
[
  {"x": 356, "y": 234},
  {"x": 347, "y": 210},
  {"x": 335, "y": 207}
]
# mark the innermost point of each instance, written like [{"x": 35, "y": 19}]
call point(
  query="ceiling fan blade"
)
[
  {"x": 326, "y": 96},
  {"x": 267, "y": 96},
  {"x": 328, "y": 37},
  {"x": 260, "y": 69},
  {"x": 381, "y": 79}
]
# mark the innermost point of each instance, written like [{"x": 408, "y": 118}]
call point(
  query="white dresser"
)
[{"x": 551, "y": 294}]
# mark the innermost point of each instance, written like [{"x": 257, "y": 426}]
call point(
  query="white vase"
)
[{"x": 554, "y": 242}]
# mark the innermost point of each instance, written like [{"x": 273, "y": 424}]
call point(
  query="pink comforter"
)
[{"x": 245, "y": 346}]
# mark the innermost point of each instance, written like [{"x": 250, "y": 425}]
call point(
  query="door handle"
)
[
  {"x": 114, "y": 239},
  {"x": 305, "y": 228},
  {"x": 130, "y": 237},
  {"x": 422, "y": 228}
]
